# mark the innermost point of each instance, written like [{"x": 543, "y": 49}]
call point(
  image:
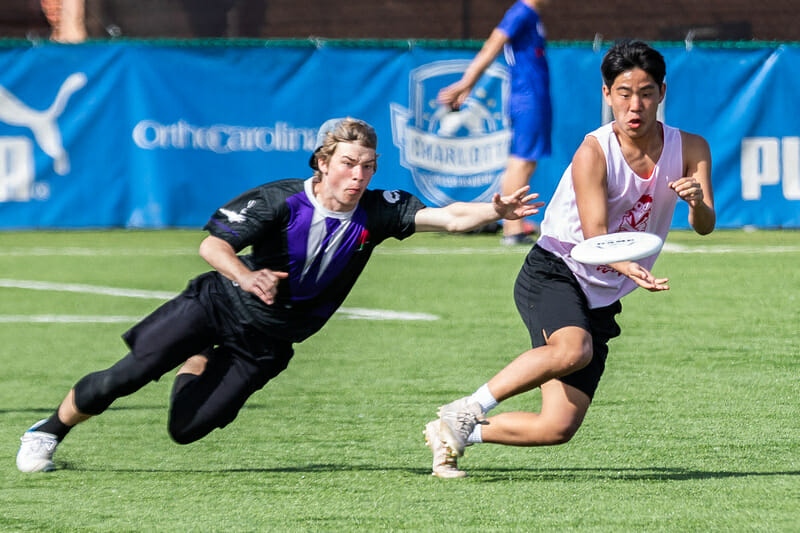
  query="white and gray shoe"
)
[
  {"x": 458, "y": 419},
  {"x": 36, "y": 451},
  {"x": 444, "y": 461}
]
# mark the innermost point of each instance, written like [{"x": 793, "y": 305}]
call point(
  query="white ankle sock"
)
[
  {"x": 475, "y": 436},
  {"x": 485, "y": 398}
]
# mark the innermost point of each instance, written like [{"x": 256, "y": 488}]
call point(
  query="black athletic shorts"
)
[
  {"x": 549, "y": 298},
  {"x": 199, "y": 321}
]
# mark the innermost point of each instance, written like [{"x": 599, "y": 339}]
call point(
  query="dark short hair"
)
[{"x": 628, "y": 54}]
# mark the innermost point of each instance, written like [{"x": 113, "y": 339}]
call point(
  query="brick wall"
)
[
  {"x": 418, "y": 19},
  {"x": 672, "y": 19},
  {"x": 19, "y": 18}
]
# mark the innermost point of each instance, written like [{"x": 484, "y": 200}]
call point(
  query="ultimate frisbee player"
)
[
  {"x": 232, "y": 329},
  {"x": 521, "y": 35},
  {"x": 626, "y": 176}
]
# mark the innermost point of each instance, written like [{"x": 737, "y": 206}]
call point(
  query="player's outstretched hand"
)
[
  {"x": 517, "y": 205},
  {"x": 263, "y": 283},
  {"x": 641, "y": 276}
]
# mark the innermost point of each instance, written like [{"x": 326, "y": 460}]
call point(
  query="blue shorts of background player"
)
[{"x": 532, "y": 124}]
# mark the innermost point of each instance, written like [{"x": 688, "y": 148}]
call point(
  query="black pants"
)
[{"x": 241, "y": 360}]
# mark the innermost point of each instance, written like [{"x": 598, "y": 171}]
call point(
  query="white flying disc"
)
[{"x": 623, "y": 246}]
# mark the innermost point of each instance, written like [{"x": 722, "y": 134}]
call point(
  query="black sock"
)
[{"x": 55, "y": 426}]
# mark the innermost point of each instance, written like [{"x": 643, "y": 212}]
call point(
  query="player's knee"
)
[
  {"x": 573, "y": 357},
  {"x": 186, "y": 429},
  {"x": 561, "y": 432},
  {"x": 90, "y": 398},
  {"x": 95, "y": 392},
  {"x": 186, "y": 423},
  {"x": 181, "y": 433},
  {"x": 180, "y": 427}
]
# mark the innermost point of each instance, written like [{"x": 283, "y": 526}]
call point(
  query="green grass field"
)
[{"x": 695, "y": 427}]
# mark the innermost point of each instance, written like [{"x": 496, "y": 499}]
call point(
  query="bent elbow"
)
[
  {"x": 204, "y": 249},
  {"x": 706, "y": 228},
  {"x": 705, "y": 231},
  {"x": 704, "y": 223},
  {"x": 211, "y": 247}
]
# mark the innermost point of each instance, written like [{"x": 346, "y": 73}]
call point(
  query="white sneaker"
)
[
  {"x": 515, "y": 240},
  {"x": 444, "y": 461},
  {"x": 36, "y": 451},
  {"x": 459, "y": 418}
]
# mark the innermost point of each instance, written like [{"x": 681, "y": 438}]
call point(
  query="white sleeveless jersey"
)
[{"x": 634, "y": 204}]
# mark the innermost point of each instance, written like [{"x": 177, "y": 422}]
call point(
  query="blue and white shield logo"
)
[{"x": 454, "y": 155}]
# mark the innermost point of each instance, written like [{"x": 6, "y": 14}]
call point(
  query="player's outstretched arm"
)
[
  {"x": 465, "y": 216},
  {"x": 455, "y": 94}
]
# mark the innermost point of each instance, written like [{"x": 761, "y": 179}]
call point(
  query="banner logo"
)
[
  {"x": 454, "y": 155},
  {"x": 150, "y": 134},
  {"x": 765, "y": 160},
  {"x": 17, "y": 168}
]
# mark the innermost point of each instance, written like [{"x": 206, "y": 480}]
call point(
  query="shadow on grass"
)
[
  {"x": 300, "y": 469},
  {"x": 621, "y": 474},
  {"x": 49, "y": 410},
  {"x": 475, "y": 476},
  {"x": 33, "y": 411}
]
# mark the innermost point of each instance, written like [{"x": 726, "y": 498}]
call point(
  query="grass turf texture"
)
[{"x": 695, "y": 427}]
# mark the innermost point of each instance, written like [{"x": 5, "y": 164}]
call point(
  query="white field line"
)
[
  {"x": 381, "y": 314},
  {"x": 72, "y": 251},
  {"x": 401, "y": 250},
  {"x": 68, "y": 319},
  {"x": 85, "y": 289},
  {"x": 348, "y": 313},
  {"x": 519, "y": 250},
  {"x": 343, "y": 312},
  {"x": 683, "y": 249},
  {"x": 144, "y": 252}
]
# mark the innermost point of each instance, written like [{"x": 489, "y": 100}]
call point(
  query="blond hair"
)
[{"x": 348, "y": 130}]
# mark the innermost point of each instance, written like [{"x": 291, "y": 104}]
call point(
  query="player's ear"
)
[
  {"x": 607, "y": 94},
  {"x": 322, "y": 164},
  {"x": 663, "y": 92}
]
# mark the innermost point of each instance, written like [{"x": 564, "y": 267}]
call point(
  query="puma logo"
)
[{"x": 43, "y": 124}]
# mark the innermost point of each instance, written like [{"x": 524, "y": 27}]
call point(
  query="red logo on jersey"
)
[
  {"x": 637, "y": 217},
  {"x": 362, "y": 239}
]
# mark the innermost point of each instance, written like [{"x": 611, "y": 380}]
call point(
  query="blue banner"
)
[{"x": 145, "y": 135}]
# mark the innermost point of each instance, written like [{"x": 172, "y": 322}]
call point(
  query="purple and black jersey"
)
[{"x": 323, "y": 251}]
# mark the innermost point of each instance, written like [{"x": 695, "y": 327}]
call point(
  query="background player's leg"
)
[{"x": 518, "y": 174}]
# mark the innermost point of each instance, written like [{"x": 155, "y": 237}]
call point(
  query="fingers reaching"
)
[
  {"x": 645, "y": 279},
  {"x": 688, "y": 190}
]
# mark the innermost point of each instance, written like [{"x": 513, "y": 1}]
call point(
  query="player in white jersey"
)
[{"x": 625, "y": 176}]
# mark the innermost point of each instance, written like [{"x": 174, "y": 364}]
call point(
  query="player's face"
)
[
  {"x": 345, "y": 176},
  {"x": 634, "y": 99}
]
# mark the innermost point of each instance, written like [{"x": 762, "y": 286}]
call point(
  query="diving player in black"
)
[{"x": 232, "y": 329}]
